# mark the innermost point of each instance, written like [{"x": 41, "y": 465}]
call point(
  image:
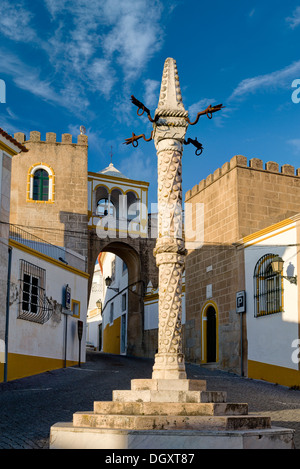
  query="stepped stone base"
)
[
  {"x": 169, "y": 414},
  {"x": 66, "y": 436}
]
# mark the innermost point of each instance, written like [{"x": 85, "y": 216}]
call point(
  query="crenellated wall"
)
[
  {"x": 242, "y": 197},
  {"x": 51, "y": 137},
  {"x": 239, "y": 160},
  {"x": 62, "y": 220},
  {"x": 239, "y": 198}
]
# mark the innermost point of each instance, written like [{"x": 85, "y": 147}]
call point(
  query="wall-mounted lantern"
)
[
  {"x": 108, "y": 284},
  {"x": 277, "y": 267}
]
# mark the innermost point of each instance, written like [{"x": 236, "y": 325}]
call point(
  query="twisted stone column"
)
[{"x": 169, "y": 131}]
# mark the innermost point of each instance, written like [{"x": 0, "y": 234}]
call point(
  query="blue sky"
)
[{"x": 70, "y": 63}]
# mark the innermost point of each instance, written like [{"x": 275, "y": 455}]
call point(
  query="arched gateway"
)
[{"x": 119, "y": 223}]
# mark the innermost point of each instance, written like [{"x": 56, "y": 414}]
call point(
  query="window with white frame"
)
[{"x": 41, "y": 183}]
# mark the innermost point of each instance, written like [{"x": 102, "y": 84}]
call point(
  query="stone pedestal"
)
[{"x": 169, "y": 414}]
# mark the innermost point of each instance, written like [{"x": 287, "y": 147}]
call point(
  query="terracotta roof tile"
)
[{"x": 12, "y": 140}]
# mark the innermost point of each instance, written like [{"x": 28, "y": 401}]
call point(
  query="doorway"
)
[
  {"x": 211, "y": 335},
  {"x": 123, "y": 334}
]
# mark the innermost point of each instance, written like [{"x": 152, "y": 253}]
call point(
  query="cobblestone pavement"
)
[{"x": 30, "y": 406}]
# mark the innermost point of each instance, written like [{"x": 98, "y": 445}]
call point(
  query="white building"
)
[
  {"x": 48, "y": 307},
  {"x": 272, "y": 303},
  {"x": 9, "y": 147},
  {"x": 107, "y": 324}
]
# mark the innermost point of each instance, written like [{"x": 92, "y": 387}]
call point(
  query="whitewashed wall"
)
[
  {"x": 48, "y": 339},
  {"x": 270, "y": 337}
]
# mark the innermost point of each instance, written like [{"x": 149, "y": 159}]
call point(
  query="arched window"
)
[
  {"x": 268, "y": 288},
  {"x": 40, "y": 185},
  {"x": 105, "y": 207}
]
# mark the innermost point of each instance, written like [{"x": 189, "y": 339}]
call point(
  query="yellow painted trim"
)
[
  {"x": 151, "y": 297},
  {"x": 112, "y": 337},
  {"x": 8, "y": 149},
  {"x": 44, "y": 257},
  {"x": 268, "y": 237},
  {"x": 21, "y": 366},
  {"x": 273, "y": 373},
  {"x": 269, "y": 229},
  {"x": 204, "y": 330},
  {"x": 134, "y": 192},
  {"x": 117, "y": 188},
  {"x": 100, "y": 185},
  {"x": 72, "y": 304},
  {"x": 30, "y": 176},
  {"x": 113, "y": 178}
]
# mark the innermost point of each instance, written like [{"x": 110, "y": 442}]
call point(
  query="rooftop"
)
[{"x": 112, "y": 171}]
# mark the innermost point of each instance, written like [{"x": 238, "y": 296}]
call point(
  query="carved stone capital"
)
[{"x": 170, "y": 245}]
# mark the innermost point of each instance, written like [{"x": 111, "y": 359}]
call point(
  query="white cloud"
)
[
  {"x": 274, "y": 80},
  {"x": 139, "y": 166},
  {"x": 89, "y": 46},
  {"x": 15, "y": 22},
  {"x": 28, "y": 78},
  {"x": 199, "y": 106},
  {"x": 151, "y": 95},
  {"x": 116, "y": 31},
  {"x": 295, "y": 143},
  {"x": 294, "y": 20}
]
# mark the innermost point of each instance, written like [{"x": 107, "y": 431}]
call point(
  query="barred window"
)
[
  {"x": 268, "y": 288},
  {"x": 33, "y": 306}
]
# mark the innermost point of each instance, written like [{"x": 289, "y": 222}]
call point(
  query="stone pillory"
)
[{"x": 148, "y": 415}]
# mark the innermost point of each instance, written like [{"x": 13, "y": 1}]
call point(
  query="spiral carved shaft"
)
[
  {"x": 169, "y": 195},
  {"x": 170, "y": 256},
  {"x": 168, "y": 133}
]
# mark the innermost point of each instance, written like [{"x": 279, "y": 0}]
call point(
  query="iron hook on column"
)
[
  {"x": 134, "y": 139},
  {"x": 198, "y": 145},
  {"x": 142, "y": 107},
  {"x": 208, "y": 111}
]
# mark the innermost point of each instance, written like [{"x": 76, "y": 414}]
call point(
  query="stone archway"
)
[{"x": 138, "y": 255}]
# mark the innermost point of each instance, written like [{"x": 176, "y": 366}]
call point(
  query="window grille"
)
[
  {"x": 34, "y": 305},
  {"x": 268, "y": 288}
]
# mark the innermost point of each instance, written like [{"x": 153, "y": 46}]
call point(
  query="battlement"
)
[
  {"x": 241, "y": 161},
  {"x": 35, "y": 137}
]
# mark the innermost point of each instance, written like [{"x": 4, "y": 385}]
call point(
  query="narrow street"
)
[{"x": 29, "y": 406}]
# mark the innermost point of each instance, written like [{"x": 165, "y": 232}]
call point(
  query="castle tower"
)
[{"x": 49, "y": 189}]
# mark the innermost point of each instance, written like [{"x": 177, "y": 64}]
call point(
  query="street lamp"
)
[
  {"x": 99, "y": 304},
  {"x": 108, "y": 282},
  {"x": 277, "y": 267}
]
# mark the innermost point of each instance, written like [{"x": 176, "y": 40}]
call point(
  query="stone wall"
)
[
  {"x": 62, "y": 221},
  {"x": 239, "y": 199}
]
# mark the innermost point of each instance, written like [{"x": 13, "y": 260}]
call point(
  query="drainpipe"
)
[{"x": 7, "y": 313}]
